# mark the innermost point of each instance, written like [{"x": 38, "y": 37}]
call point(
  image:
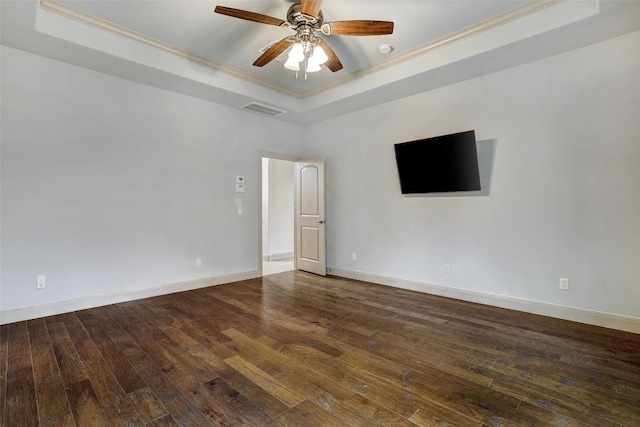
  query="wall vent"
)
[{"x": 265, "y": 110}]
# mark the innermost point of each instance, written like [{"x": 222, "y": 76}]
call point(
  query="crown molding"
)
[
  {"x": 509, "y": 16},
  {"x": 530, "y": 8},
  {"x": 66, "y": 11}
]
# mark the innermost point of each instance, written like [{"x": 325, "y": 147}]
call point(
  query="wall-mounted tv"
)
[{"x": 439, "y": 165}]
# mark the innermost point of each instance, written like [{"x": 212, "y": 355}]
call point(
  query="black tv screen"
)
[{"x": 438, "y": 165}]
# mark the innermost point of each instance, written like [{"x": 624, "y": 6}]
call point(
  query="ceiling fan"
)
[{"x": 305, "y": 18}]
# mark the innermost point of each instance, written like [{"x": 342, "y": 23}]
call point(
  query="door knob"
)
[{"x": 322, "y": 221}]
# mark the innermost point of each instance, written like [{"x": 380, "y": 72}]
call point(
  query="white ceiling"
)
[
  {"x": 193, "y": 26},
  {"x": 182, "y": 45}
]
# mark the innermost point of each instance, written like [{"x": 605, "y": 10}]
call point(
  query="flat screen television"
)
[{"x": 440, "y": 164}]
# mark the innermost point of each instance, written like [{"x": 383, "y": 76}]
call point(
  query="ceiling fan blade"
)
[
  {"x": 333, "y": 63},
  {"x": 310, "y": 7},
  {"x": 358, "y": 28},
  {"x": 273, "y": 52},
  {"x": 249, "y": 16}
]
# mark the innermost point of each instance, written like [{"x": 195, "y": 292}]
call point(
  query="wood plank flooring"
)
[{"x": 294, "y": 349}]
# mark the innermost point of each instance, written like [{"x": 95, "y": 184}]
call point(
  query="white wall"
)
[
  {"x": 109, "y": 186},
  {"x": 565, "y": 196}
]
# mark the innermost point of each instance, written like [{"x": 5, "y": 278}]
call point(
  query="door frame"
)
[{"x": 277, "y": 156}]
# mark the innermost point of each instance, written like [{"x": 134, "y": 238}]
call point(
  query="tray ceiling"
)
[{"x": 182, "y": 45}]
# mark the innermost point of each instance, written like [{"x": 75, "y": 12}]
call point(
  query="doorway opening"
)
[{"x": 278, "y": 190}]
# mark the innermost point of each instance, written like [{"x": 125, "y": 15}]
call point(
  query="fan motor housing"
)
[{"x": 296, "y": 18}]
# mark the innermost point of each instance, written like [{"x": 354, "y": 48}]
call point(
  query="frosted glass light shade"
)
[
  {"x": 312, "y": 65},
  {"x": 319, "y": 56},
  {"x": 297, "y": 52},
  {"x": 292, "y": 64}
]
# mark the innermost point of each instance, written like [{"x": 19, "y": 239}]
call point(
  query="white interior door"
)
[{"x": 310, "y": 219}]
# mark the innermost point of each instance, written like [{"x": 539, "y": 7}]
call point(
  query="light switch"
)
[
  {"x": 240, "y": 210},
  {"x": 239, "y": 188},
  {"x": 239, "y": 201}
]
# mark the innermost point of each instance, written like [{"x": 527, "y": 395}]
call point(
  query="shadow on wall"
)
[{"x": 486, "y": 156}]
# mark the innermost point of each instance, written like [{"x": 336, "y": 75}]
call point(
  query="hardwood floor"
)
[{"x": 295, "y": 349}]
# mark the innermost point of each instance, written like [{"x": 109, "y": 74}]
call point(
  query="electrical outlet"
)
[
  {"x": 198, "y": 262},
  {"x": 564, "y": 284},
  {"x": 447, "y": 269},
  {"x": 41, "y": 282},
  {"x": 354, "y": 257}
]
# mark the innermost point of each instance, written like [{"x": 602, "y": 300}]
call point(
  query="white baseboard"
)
[
  {"x": 59, "y": 307},
  {"x": 278, "y": 257},
  {"x": 576, "y": 314}
]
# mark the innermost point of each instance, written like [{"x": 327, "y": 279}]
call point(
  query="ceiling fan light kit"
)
[
  {"x": 305, "y": 18},
  {"x": 305, "y": 49},
  {"x": 302, "y": 52}
]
